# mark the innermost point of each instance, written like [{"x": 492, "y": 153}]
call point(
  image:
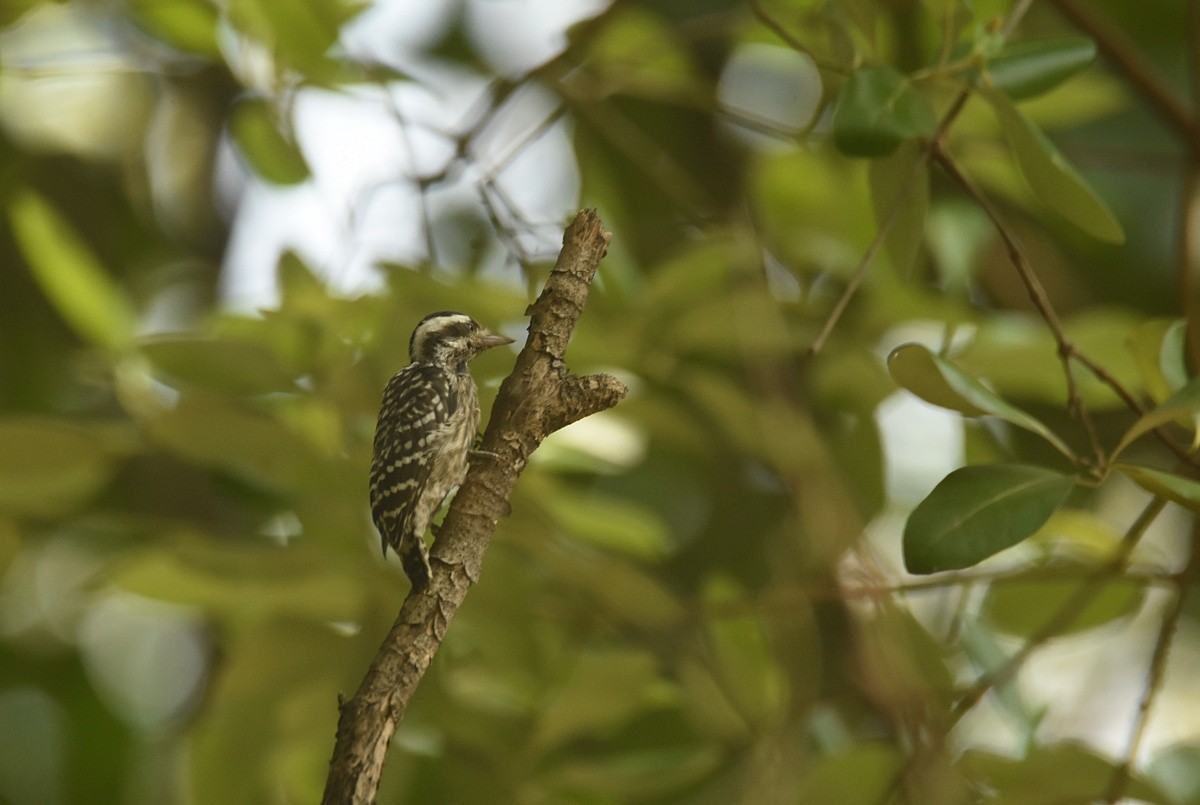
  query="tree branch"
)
[
  {"x": 1039, "y": 298},
  {"x": 1062, "y": 617},
  {"x": 1157, "y": 672},
  {"x": 539, "y": 397},
  {"x": 1067, "y": 350},
  {"x": 885, "y": 226},
  {"x": 1137, "y": 70}
]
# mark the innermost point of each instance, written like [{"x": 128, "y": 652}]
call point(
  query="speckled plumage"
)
[{"x": 427, "y": 422}]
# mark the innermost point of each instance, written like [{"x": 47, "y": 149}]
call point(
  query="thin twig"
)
[
  {"x": 493, "y": 194},
  {"x": 402, "y": 123},
  {"x": 901, "y": 199},
  {"x": 642, "y": 150},
  {"x": 524, "y": 141},
  {"x": 1067, "y": 349},
  {"x": 885, "y": 226},
  {"x": 860, "y": 271},
  {"x": 1156, "y": 90},
  {"x": 783, "y": 600},
  {"x": 1063, "y": 616},
  {"x": 1158, "y": 668},
  {"x": 771, "y": 24},
  {"x": 1014, "y": 19},
  {"x": 1122, "y": 53},
  {"x": 1037, "y": 294},
  {"x": 1048, "y": 573}
]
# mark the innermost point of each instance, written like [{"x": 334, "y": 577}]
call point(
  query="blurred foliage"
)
[{"x": 700, "y": 596}]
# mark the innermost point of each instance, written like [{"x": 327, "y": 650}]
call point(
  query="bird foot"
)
[{"x": 474, "y": 454}]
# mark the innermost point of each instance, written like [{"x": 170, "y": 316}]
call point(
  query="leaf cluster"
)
[{"x": 894, "y": 290}]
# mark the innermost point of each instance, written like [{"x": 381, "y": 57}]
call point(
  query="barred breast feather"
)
[{"x": 427, "y": 422}]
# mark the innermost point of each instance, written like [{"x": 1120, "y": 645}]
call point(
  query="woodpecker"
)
[{"x": 427, "y": 424}]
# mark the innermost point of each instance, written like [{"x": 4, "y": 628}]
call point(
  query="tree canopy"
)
[{"x": 900, "y": 506}]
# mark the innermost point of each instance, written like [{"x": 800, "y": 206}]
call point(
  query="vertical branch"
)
[
  {"x": 1158, "y": 668},
  {"x": 539, "y": 397},
  {"x": 1189, "y": 213},
  {"x": 1189, "y": 260}
]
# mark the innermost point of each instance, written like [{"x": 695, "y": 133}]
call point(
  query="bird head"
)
[{"x": 451, "y": 339}]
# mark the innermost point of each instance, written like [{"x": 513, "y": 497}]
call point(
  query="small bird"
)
[{"x": 427, "y": 424}]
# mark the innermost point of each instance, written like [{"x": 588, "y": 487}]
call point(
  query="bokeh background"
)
[{"x": 222, "y": 218}]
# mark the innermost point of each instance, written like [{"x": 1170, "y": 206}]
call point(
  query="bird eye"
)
[{"x": 472, "y": 327}]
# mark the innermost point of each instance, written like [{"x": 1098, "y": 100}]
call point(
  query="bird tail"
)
[{"x": 414, "y": 557}]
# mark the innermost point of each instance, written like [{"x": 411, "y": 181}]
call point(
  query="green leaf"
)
[
  {"x": 1051, "y": 177},
  {"x": 903, "y": 662},
  {"x": 274, "y": 677},
  {"x": 1024, "y": 606},
  {"x": 1080, "y": 533},
  {"x": 879, "y": 109},
  {"x": 860, "y": 774},
  {"x": 939, "y": 382},
  {"x": 604, "y": 690},
  {"x": 258, "y": 449},
  {"x": 637, "y": 51},
  {"x": 618, "y": 589},
  {"x": 244, "y": 582},
  {"x": 301, "y": 291},
  {"x": 706, "y": 701},
  {"x": 1176, "y": 488},
  {"x": 1158, "y": 349},
  {"x": 940, "y": 8},
  {"x": 189, "y": 25},
  {"x": 743, "y": 657},
  {"x": 1182, "y": 404},
  {"x": 299, "y": 33},
  {"x": 631, "y": 771},
  {"x": 1019, "y": 357},
  {"x": 976, "y": 512},
  {"x": 12, "y": 10},
  {"x": 236, "y": 367},
  {"x": 983, "y": 648},
  {"x": 1174, "y": 768},
  {"x": 609, "y": 523},
  {"x": 957, "y": 234},
  {"x": 1051, "y": 775},
  {"x": 49, "y": 467},
  {"x": 768, "y": 429},
  {"x": 1027, "y": 69},
  {"x": 904, "y": 172},
  {"x": 273, "y": 155},
  {"x": 69, "y": 273}
]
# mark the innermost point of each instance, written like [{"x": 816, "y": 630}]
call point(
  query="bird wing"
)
[{"x": 417, "y": 404}]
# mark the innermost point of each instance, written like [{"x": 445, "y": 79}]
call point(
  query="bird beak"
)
[{"x": 486, "y": 340}]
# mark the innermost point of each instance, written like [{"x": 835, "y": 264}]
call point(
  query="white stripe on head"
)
[{"x": 433, "y": 325}]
